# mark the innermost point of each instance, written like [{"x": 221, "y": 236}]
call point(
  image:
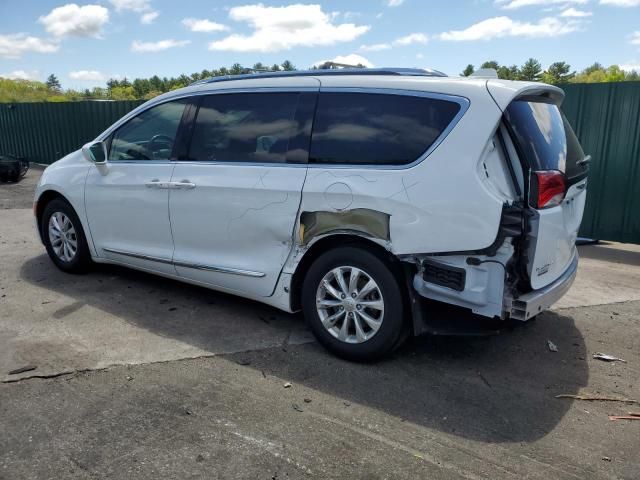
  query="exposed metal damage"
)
[{"x": 361, "y": 221}]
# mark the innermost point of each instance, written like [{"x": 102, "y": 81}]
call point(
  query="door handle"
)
[
  {"x": 186, "y": 184},
  {"x": 155, "y": 183}
]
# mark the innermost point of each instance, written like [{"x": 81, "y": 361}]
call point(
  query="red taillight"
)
[{"x": 549, "y": 188}]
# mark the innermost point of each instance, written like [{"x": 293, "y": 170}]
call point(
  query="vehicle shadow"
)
[
  {"x": 491, "y": 389},
  {"x": 627, "y": 254}
]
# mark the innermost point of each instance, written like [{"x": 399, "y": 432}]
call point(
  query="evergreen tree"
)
[
  {"x": 287, "y": 66},
  {"x": 558, "y": 72},
  {"x": 531, "y": 70},
  {"x": 53, "y": 83},
  {"x": 469, "y": 69}
]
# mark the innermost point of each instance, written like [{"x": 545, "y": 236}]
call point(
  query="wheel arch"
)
[
  {"x": 44, "y": 199},
  {"x": 337, "y": 240}
]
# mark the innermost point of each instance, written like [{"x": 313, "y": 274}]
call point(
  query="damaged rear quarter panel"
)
[{"x": 436, "y": 205}]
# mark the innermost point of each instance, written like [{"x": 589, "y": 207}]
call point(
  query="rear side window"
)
[
  {"x": 545, "y": 137},
  {"x": 377, "y": 129},
  {"x": 244, "y": 127}
]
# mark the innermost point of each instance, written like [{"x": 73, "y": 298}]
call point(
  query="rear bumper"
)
[{"x": 530, "y": 304}]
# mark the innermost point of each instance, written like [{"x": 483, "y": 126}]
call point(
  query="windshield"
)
[{"x": 545, "y": 137}]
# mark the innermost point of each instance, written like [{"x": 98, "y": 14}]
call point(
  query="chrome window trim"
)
[
  {"x": 209, "y": 268},
  {"x": 464, "y": 103},
  {"x": 214, "y": 91}
]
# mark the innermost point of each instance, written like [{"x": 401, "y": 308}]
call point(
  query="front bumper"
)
[{"x": 531, "y": 304}]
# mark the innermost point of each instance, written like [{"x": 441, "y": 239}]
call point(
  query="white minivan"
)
[{"x": 362, "y": 197}]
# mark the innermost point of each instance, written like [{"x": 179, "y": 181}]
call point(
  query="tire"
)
[
  {"x": 80, "y": 261},
  {"x": 14, "y": 176},
  {"x": 366, "y": 343}
]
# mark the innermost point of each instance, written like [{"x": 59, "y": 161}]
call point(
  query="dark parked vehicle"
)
[{"x": 12, "y": 169}]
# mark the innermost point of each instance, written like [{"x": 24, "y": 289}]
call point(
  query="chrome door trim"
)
[
  {"x": 213, "y": 268},
  {"x": 138, "y": 255},
  {"x": 209, "y": 268}
]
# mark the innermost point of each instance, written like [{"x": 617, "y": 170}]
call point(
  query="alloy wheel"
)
[
  {"x": 62, "y": 236},
  {"x": 350, "y": 304}
]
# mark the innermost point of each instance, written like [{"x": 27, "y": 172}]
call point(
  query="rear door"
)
[
  {"x": 557, "y": 177},
  {"x": 233, "y": 219}
]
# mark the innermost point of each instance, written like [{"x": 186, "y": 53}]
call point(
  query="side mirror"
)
[{"x": 95, "y": 152}]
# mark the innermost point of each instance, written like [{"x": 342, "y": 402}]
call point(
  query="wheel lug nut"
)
[
  {"x": 343, "y": 295},
  {"x": 353, "y": 295},
  {"x": 359, "y": 307}
]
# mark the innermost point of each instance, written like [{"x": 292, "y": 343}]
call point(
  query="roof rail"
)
[{"x": 416, "y": 72}]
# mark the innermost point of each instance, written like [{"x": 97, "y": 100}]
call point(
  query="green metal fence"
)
[
  {"x": 45, "y": 132},
  {"x": 606, "y": 117}
]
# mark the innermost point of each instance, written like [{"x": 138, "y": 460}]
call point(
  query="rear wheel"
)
[
  {"x": 64, "y": 238},
  {"x": 353, "y": 304}
]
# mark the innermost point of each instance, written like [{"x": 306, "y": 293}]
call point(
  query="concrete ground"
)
[{"x": 150, "y": 378}]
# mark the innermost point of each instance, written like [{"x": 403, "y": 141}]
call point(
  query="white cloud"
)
[
  {"x": 621, "y": 3},
  {"x": 148, "y": 14},
  {"x": 159, "y": 46},
  {"x": 394, "y": 3},
  {"x": 634, "y": 38},
  {"x": 149, "y": 17},
  {"x": 411, "y": 39},
  {"x": 352, "y": 59},
  {"x": 75, "y": 20},
  {"x": 203, "y": 25},
  {"x": 14, "y": 45},
  {"x": 498, "y": 27},
  {"x": 513, "y": 4},
  {"x": 139, "y": 6},
  {"x": 628, "y": 67},
  {"x": 21, "y": 75},
  {"x": 351, "y": 15},
  {"x": 87, "y": 75},
  {"x": 575, "y": 13},
  {"x": 376, "y": 47},
  {"x": 282, "y": 28}
]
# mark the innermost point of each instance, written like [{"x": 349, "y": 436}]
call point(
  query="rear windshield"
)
[{"x": 545, "y": 137}]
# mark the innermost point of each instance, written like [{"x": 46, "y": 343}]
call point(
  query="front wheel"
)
[
  {"x": 64, "y": 238},
  {"x": 354, "y": 304}
]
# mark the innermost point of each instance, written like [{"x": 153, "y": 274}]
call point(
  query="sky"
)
[{"x": 84, "y": 44}]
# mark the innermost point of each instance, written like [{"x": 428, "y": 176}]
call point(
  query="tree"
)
[
  {"x": 558, "y": 72},
  {"x": 53, "y": 83},
  {"x": 491, "y": 64},
  {"x": 593, "y": 68},
  {"x": 614, "y": 74},
  {"x": 122, "y": 93},
  {"x": 509, "y": 73},
  {"x": 531, "y": 70},
  {"x": 632, "y": 76},
  {"x": 469, "y": 69},
  {"x": 287, "y": 66}
]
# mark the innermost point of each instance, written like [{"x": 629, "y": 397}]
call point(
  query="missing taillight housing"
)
[{"x": 548, "y": 188}]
